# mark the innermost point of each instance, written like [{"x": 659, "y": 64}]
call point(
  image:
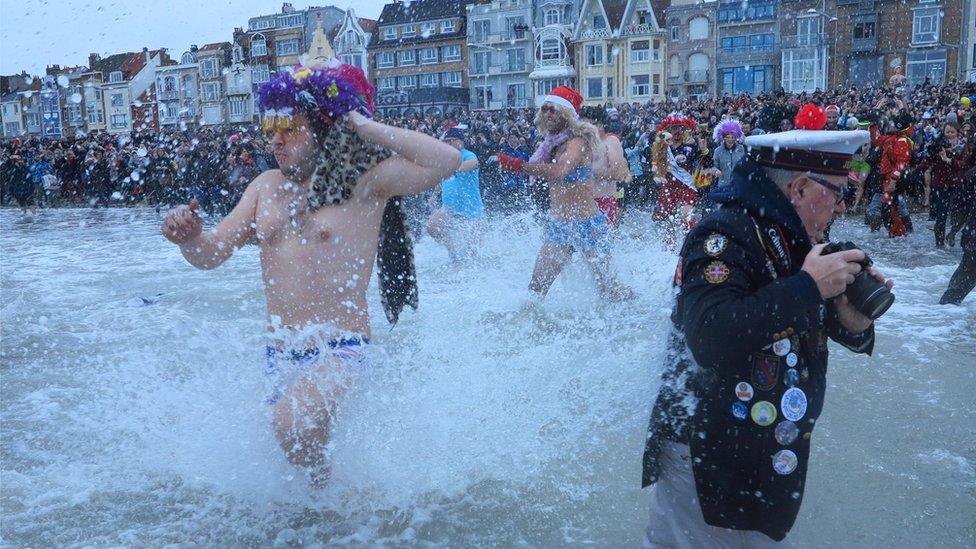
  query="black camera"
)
[{"x": 866, "y": 294}]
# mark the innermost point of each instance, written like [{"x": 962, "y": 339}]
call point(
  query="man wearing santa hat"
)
[
  {"x": 756, "y": 299},
  {"x": 565, "y": 158}
]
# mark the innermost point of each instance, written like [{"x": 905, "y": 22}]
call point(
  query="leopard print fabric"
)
[{"x": 344, "y": 158}]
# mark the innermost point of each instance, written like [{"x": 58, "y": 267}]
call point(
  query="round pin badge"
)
[
  {"x": 791, "y": 360},
  {"x": 794, "y": 404},
  {"x": 715, "y": 244},
  {"x": 744, "y": 391},
  {"x": 781, "y": 347},
  {"x": 739, "y": 410},
  {"x": 785, "y": 462},
  {"x": 763, "y": 413},
  {"x": 786, "y": 432},
  {"x": 791, "y": 378}
]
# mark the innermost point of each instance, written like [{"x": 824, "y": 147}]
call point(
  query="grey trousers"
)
[{"x": 676, "y": 519}]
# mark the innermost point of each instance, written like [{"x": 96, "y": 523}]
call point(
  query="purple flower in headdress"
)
[
  {"x": 727, "y": 127},
  {"x": 323, "y": 94}
]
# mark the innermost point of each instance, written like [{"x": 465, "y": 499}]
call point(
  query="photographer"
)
[
  {"x": 949, "y": 158},
  {"x": 757, "y": 298}
]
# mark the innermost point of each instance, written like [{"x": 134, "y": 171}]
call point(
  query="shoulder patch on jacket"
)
[
  {"x": 716, "y": 272},
  {"x": 715, "y": 244}
]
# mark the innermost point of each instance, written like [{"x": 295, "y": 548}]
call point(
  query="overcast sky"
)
[{"x": 37, "y": 33}]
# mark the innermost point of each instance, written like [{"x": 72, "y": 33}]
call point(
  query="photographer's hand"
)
[
  {"x": 832, "y": 272},
  {"x": 850, "y": 318}
]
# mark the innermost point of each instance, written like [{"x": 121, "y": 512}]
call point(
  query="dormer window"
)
[
  {"x": 447, "y": 26},
  {"x": 409, "y": 30},
  {"x": 115, "y": 76},
  {"x": 188, "y": 58},
  {"x": 553, "y": 16},
  {"x": 389, "y": 33}
]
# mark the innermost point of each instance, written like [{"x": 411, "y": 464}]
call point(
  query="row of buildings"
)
[
  {"x": 437, "y": 55},
  {"x": 428, "y": 56}
]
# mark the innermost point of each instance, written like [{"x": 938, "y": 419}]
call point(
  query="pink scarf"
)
[{"x": 543, "y": 153}]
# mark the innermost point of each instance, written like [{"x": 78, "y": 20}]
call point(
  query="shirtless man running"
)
[{"x": 316, "y": 262}]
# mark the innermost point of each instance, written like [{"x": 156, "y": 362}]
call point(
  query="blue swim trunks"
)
[
  {"x": 585, "y": 235},
  {"x": 284, "y": 366}
]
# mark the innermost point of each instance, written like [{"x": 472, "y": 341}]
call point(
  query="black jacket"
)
[{"x": 746, "y": 314}]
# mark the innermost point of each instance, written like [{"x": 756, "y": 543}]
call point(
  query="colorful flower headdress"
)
[
  {"x": 324, "y": 93},
  {"x": 675, "y": 119},
  {"x": 727, "y": 127}
]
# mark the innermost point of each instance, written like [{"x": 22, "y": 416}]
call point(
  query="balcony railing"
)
[
  {"x": 696, "y": 76},
  {"x": 804, "y": 41},
  {"x": 674, "y": 79},
  {"x": 594, "y": 34},
  {"x": 638, "y": 29},
  {"x": 560, "y": 62},
  {"x": 171, "y": 94},
  {"x": 864, "y": 44}
]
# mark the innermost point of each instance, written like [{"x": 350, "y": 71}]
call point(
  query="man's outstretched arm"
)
[
  {"x": 420, "y": 161},
  {"x": 207, "y": 250}
]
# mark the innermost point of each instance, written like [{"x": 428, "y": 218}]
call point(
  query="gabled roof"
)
[
  {"x": 216, "y": 46},
  {"x": 660, "y": 8},
  {"x": 421, "y": 10},
  {"x": 113, "y": 63},
  {"x": 615, "y": 12}
]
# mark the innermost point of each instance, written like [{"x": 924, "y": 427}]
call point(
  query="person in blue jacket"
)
[{"x": 454, "y": 225}]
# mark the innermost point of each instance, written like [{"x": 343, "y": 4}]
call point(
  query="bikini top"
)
[{"x": 578, "y": 175}]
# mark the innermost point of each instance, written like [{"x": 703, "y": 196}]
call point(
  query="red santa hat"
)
[{"x": 565, "y": 97}]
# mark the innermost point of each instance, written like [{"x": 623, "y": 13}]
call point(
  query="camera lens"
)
[{"x": 870, "y": 297}]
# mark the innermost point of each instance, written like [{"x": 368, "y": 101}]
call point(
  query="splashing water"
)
[{"x": 485, "y": 419}]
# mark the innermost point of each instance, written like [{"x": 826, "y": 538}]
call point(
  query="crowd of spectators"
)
[{"x": 215, "y": 164}]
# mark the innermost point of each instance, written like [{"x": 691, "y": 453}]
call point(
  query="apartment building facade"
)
[
  {"x": 500, "y": 45},
  {"x": 418, "y": 56},
  {"x": 692, "y": 48}
]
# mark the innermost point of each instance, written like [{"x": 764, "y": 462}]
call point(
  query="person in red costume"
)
[
  {"x": 675, "y": 155},
  {"x": 896, "y": 151}
]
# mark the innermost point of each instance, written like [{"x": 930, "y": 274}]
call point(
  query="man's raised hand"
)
[{"x": 182, "y": 223}]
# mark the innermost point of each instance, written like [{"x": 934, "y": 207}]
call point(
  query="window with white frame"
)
[
  {"x": 385, "y": 60},
  {"x": 428, "y": 56},
  {"x": 188, "y": 57},
  {"x": 656, "y": 52},
  {"x": 480, "y": 61},
  {"x": 74, "y": 113},
  {"x": 594, "y": 55},
  {"x": 924, "y": 65},
  {"x": 260, "y": 73},
  {"x": 211, "y": 91},
  {"x": 11, "y": 128},
  {"x": 452, "y": 79},
  {"x": 290, "y": 21},
  {"x": 407, "y": 82},
  {"x": 95, "y": 116},
  {"x": 117, "y": 100},
  {"x": 120, "y": 121},
  {"x": 408, "y": 57},
  {"x": 610, "y": 86},
  {"x": 551, "y": 49},
  {"x": 408, "y": 30},
  {"x": 481, "y": 30},
  {"x": 698, "y": 28},
  {"x": 675, "y": 33},
  {"x": 389, "y": 33},
  {"x": 447, "y": 26},
  {"x": 553, "y": 16},
  {"x": 429, "y": 80},
  {"x": 656, "y": 84},
  {"x": 427, "y": 29},
  {"x": 238, "y": 54},
  {"x": 451, "y": 53},
  {"x": 259, "y": 46},
  {"x": 33, "y": 119},
  {"x": 262, "y": 24},
  {"x": 594, "y": 87},
  {"x": 386, "y": 83},
  {"x": 640, "y": 85},
  {"x": 238, "y": 107},
  {"x": 208, "y": 68},
  {"x": 640, "y": 51},
  {"x": 926, "y": 26},
  {"x": 643, "y": 17},
  {"x": 287, "y": 47},
  {"x": 115, "y": 76},
  {"x": 515, "y": 60},
  {"x": 515, "y": 28}
]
